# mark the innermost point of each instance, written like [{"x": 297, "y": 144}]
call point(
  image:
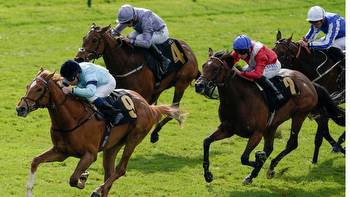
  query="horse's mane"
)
[{"x": 225, "y": 56}]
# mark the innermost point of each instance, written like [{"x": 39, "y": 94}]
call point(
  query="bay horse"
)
[
  {"x": 77, "y": 132},
  {"x": 129, "y": 67},
  {"x": 243, "y": 111},
  {"x": 293, "y": 56}
]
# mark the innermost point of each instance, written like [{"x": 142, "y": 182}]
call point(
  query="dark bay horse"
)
[
  {"x": 293, "y": 56},
  {"x": 129, "y": 67},
  {"x": 75, "y": 131},
  {"x": 243, "y": 112}
]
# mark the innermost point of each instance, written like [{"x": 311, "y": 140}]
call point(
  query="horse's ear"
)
[
  {"x": 290, "y": 38},
  {"x": 210, "y": 52},
  {"x": 51, "y": 75},
  {"x": 279, "y": 35},
  {"x": 104, "y": 29},
  {"x": 93, "y": 25},
  {"x": 41, "y": 69}
]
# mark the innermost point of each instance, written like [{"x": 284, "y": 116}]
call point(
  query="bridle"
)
[
  {"x": 222, "y": 66},
  {"x": 51, "y": 105},
  {"x": 289, "y": 55},
  {"x": 95, "y": 53},
  {"x": 37, "y": 101}
]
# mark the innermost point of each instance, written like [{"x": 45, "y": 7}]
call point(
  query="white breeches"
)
[
  {"x": 158, "y": 37},
  {"x": 104, "y": 90},
  {"x": 270, "y": 70}
]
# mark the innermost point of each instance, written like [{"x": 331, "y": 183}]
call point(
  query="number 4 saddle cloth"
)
[{"x": 171, "y": 49}]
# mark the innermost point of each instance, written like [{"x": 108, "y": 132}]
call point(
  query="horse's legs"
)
[
  {"x": 220, "y": 133},
  {"x": 260, "y": 157},
  {"x": 48, "y": 156},
  {"x": 85, "y": 161},
  {"x": 297, "y": 122},
  {"x": 178, "y": 93},
  {"x": 132, "y": 141},
  {"x": 109, "y": 159},
  {"x": 322, "y": 124}
]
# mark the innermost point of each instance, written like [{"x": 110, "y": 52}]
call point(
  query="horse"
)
[
  {"x": 293, "y": 56},
  {"x": 243, "y": 111},
  {"x": 76, "y": 130},
  {"x": 129, "y": 67}
]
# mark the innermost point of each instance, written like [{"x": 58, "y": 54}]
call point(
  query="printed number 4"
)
[{"x": 177, "y": 55}]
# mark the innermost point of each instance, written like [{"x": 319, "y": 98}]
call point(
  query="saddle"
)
[
  {"x": 171, "y": 49},
  {"x": 285, "y": 85}
]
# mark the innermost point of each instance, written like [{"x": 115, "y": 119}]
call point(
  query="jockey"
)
[
  {"x": 94, "y": 83},
  {"x": 333, "y": 26},
  {"x": 149, "y": 28},
  {"x": 262, "y": 61}
]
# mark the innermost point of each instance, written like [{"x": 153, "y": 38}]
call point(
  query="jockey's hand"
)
[
  {"x": 303, "y": 43},
  {"x": 114, "y": 33},
  {"x": 67, "y": 90}
]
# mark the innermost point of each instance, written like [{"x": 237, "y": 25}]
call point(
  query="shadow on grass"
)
[
  {"x": 162, "y": 162},
  {"x": 320, "y": 172}
]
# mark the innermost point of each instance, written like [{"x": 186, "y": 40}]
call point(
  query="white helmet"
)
[{"x": 315, "y": 13}]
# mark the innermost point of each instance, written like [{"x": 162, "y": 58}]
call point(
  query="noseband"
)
[{"x": 95, "y": 53}]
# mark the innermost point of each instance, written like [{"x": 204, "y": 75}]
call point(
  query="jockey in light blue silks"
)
[
  {"x": 94, "y": 83},
  {"x": 149, "y": 28}
]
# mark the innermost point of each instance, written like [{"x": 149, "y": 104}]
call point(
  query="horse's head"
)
[
  {"x": 213, "y": 74},
  {"x": 37, "y": 95},
  {"x": 286, "y": 50},
  {"x": 93, "y": 44}
]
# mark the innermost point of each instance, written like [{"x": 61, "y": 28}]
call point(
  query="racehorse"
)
[
  {"x": 129, "y": 67},
  {"x": 317, "y": 67},
  {"x": 76, "y": 131},
  {"x": 243, "y": 111}
]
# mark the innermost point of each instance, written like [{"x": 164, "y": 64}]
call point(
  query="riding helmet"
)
[
  {"x": 70, "y": 69},
  {"x": 315, "y": 13},
  {"x": 126, "y": 13}
]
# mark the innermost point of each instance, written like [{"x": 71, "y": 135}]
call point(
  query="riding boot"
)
[
  {"x": 165, "y": 61},
  {"x": 335, "y": 54},
  {"x": 110, "y": 113},
  {"x": 267, "y": 83}
]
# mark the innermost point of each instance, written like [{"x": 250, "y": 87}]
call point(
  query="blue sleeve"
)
[
  {"x": 326, "y": 42},
  {"x": 86, "y": 92},
  {"x": 147, "y": 32}
]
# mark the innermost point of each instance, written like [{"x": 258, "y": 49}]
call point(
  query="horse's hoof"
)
[
  {"x": 95, "y": 194},
  {"x": 154, "y": 138},
  {"x": 208, "y": 177},
  {"x": 270, "y": 174},
  {"x": 247, "y": 180},
  {"x": 336, "y": 149}
]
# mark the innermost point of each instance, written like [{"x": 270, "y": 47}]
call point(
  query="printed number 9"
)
[{"x": 129, "y": 105}]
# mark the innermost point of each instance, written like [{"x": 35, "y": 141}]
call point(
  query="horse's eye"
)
[
  {"x": 94, "y": 40},
  {"x": 39, "y": 90}
]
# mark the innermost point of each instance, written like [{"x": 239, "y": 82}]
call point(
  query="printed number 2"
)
[
  {"x": 129, "y": 105},
  {"x": 288, "y": 82},
  {"x": 177, "y": 55}
]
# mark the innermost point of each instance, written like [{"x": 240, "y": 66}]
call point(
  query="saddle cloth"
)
[
  {"x": 171, "y": 49},
  {"x": 287, "y": 88}
]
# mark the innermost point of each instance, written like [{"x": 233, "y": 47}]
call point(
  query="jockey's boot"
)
[
  {"x": 110, "y": 113},
  {"x": 165, "y": 61},
  {"x": 267, "y": 83}
]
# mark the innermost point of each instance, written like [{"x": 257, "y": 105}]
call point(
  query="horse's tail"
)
[
  {"x": 197, "y": 77},
  {"x": 334, "y": 111},
  {"x": 168, "y": 111}
]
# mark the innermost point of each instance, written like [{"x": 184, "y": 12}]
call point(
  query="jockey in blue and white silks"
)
[
  {"x": 333, "y": 26},
  {"x": 92, "y": 82},
  {"x": 149, "y": 28}
]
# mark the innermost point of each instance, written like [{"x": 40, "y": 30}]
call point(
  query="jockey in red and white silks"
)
[{"x": 262, "y": 61}]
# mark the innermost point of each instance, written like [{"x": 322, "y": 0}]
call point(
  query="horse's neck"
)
[
  {"x": 65, "y": 111},
  {"x": 117, "y": 59},
  {"x": 237, "y": 91}
]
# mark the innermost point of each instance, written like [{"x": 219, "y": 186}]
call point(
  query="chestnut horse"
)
[
  {"x": 75, "y": 131},
  {"x": 129, "y": 67},
  {"x": 293, "y": 56},
  {"x": 243, "y": 112}
]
